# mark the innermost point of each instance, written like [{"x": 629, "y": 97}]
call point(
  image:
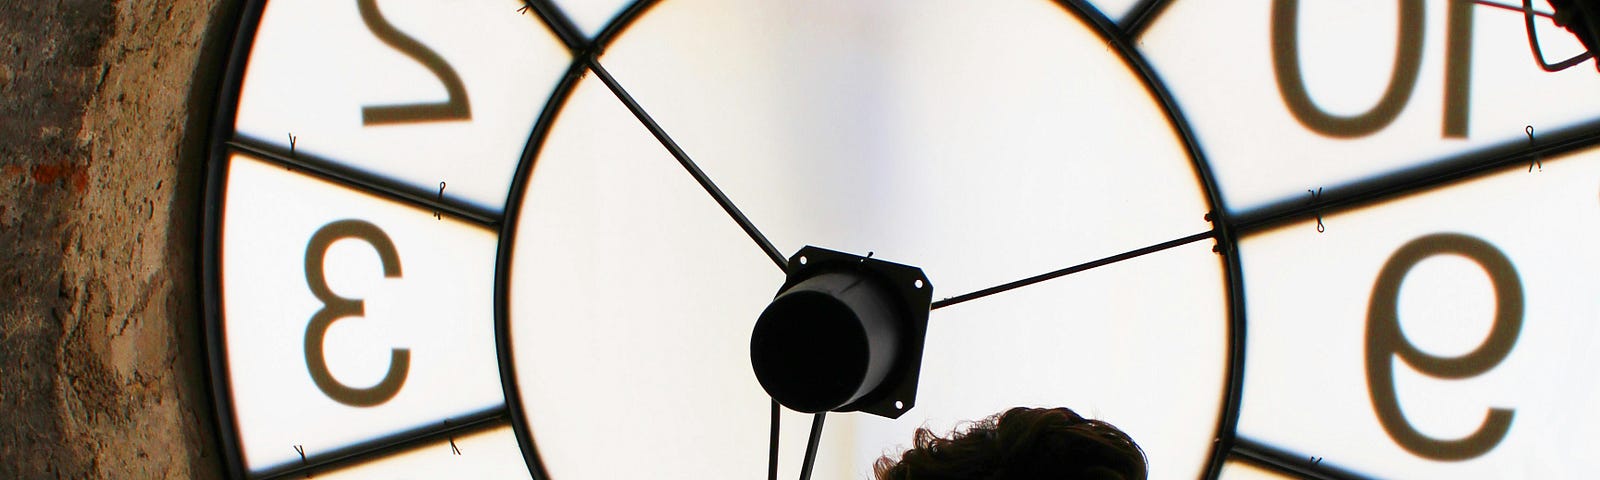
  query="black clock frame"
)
[{"x": 244, "y": 17}]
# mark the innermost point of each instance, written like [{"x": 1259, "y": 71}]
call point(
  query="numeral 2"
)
[{"x": 455, "y": 108}]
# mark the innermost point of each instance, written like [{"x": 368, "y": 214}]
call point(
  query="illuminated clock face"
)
[{"x": 497, "y": 239}]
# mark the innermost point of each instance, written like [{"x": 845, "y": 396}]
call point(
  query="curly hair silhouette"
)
[{"x": 1021, "y": 444}]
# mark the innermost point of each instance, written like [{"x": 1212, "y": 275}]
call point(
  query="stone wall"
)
[{"x": 103, "y": 112}]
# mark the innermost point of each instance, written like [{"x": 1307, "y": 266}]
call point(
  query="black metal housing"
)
[{"x": 844, "y": 333}]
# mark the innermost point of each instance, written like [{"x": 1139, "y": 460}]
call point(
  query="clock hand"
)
[
  {"x": 772, "y": 451},
  {"x": 811, "y": 445},
  {"x": 688, "y": 164},
  {"x": 1071, "y": 270}
]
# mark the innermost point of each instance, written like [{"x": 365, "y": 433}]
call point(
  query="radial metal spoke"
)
[
  {"x": 332, "y": 171},
  {"x": 385, "y": 446},
  {"x": 560, "y": 24},
  {"x": 1468, "y": 165},
  {"x": 1071, "y": 270},
  {"x": 688, "y": 164},
  {"x": 1310, "y": 466}
]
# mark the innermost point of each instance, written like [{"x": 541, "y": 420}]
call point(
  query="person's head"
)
[{"x": 1018, "y": 444}]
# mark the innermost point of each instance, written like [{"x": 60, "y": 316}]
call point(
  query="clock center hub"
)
[{"x": 844, "y": 333}]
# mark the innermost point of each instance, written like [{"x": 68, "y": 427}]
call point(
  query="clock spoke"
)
[
  {"x": 560, "y": 23},
  {"x": 1302, "y": 465},
  {"x": 378, "y": 449},
  {"x": 689, "y": 165},
  {"x": 1462, "y": 167},
  {"x": 966, "y": 297},
  {"x": 483, "y": 450},
  {"x": 1240, "y": 468},
  {"x": 334, "y": 171}
]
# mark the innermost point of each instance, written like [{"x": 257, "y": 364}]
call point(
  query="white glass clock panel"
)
[
  {"x": 1115, "y": 10},
  {"x": 437, "y": 305},
  {"x": 591, "y": 16},
  {"x": 609, "y": 214},
  {"x": 1217, "y": 59},
  {"x": 489, "y": 454},
  {"x": 319, "y": 73},
  {"x": 1141, "y": 344},
  {"x": 996, "y": 139},
  {"x": 1235, "y": 469},
  {"x": 1306, "y": 380}
]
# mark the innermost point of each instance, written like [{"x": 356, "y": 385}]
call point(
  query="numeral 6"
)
[{"x": 1385, "y": 340}]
